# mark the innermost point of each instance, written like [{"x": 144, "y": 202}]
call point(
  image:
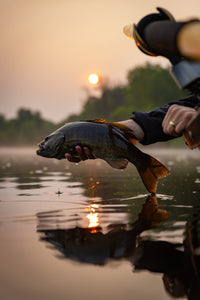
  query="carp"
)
[{"x": 112, "y": 142}]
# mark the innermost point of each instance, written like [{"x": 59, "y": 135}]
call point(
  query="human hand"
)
[
  {"x": 177, "y": 119},
  {"x": 83, "y": 153}
]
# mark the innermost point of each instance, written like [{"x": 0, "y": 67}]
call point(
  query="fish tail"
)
[{"x": 150, "y": 170}]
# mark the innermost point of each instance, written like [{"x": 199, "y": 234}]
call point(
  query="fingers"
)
[
  {"x": 171, "y": 111},
  {"x": 88, "y": 153},
  {"x": 180, "y": 127},
  {"x": 176, "y": 119},
  {"x": 83, "y": 154},
  {"x": 171, "y": 120}
]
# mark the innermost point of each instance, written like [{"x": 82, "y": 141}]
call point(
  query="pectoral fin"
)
[{"x": 118, "y": 164}]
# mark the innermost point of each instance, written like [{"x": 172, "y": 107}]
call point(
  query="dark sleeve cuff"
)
[
  {"x": 152, "y": 128},
  {"x": 151, "y": 122}
]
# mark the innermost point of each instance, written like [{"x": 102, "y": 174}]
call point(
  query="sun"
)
[{"x": 93, "y": 78}]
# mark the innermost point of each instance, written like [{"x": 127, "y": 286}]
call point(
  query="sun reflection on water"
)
[{"x": 93, "y": 216}]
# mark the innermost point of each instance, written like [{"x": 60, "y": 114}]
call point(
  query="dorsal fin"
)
[
  {"x": 127, "y": 132},
  {"x": 97, "y": 121}
]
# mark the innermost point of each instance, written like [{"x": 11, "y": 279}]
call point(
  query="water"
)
[{"x": 88, "y": 231}]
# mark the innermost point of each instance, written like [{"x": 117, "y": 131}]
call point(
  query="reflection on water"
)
[
  {"x": 178, "y": 262},
  {"x": 93, "y": 216},
  {"x": 94, "y": 245},
  {"x": 60, "y": 222}
]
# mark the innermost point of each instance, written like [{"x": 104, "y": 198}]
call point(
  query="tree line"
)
[{"x": 147, "y": 87}]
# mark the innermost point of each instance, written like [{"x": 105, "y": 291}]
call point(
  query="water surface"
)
[{"x": 88, "y": 231}]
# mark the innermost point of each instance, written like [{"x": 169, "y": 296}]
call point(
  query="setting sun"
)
[{"x": 93, "y": 78}]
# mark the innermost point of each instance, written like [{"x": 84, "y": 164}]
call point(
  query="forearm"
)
[{"x": 135, "y": 128}]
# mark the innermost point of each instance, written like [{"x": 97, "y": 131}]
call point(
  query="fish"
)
[{"x": 112, "y": 142}]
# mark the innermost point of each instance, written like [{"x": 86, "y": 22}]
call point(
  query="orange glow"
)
[
  {"x": 93, "y": 79},
  {"x": 93, "y": 216},
  {"x": 93, "y": 185}
]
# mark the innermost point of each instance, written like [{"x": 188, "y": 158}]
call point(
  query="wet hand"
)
[
  {"x": 177, "y": 119},
  {"x": 83, "y": 154}
]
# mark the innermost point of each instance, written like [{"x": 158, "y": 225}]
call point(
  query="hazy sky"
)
[{"x": 49, "y": 47}]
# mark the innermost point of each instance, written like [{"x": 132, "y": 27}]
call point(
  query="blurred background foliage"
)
[{"x": 147, "y": 87}]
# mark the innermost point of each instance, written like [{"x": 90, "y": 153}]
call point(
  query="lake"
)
[{"x": 88, "y": 231}]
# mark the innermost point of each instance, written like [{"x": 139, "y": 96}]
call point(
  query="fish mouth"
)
[
  {"x": 41, "y": 150},
  {"x": 45, "y": 151},
  {"x": 51, "y": 145}
]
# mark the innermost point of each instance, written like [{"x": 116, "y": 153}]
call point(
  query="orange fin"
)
[
  {"x": 118, "y": 164},
  {"x": 151, "y": 212},
  {"x": 120, "y": 126},
  {"x": 128, "y": 133},
  {"x": 150, "y": 170},
  {"x": 133, "y": 141},
  {"x": 97, "y": 121}
]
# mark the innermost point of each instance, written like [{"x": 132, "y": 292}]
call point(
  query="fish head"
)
[{"x": 51, "y": 145}]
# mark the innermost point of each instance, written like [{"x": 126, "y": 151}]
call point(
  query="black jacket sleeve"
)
[{"x": 151, "y": 122}]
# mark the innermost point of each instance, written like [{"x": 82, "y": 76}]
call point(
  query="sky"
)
[{"x": 49, "y": 47}]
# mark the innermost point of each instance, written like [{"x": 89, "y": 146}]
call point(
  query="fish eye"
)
[{"x": 46, "y": 139}]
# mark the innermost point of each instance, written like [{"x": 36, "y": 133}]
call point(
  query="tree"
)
[
  {"x": 27, "y": 128},
  {"x": 151, "y": 86}
]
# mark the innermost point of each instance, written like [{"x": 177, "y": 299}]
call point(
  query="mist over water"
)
[{"x": 87, "y": 230}]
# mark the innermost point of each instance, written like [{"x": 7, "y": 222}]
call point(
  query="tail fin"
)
[{"x": 150, "y": 170}]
